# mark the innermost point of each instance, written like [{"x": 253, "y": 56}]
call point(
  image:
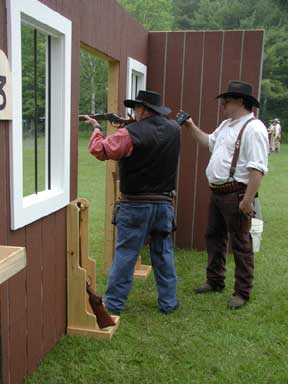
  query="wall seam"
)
[{"x": 197, "y": 146}]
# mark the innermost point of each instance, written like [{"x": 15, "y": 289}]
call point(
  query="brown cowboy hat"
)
[
  {"x": 149, "y": 99},
  {"x": 237, "y": 88}
]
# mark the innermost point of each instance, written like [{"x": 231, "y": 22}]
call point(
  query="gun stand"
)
[
  {"x": 141, "y": 271},
  {"x": 81, "y": 268}
]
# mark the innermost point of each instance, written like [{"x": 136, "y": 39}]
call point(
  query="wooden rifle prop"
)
[
  {"x": 115, "y": 120},
  {"x": 103, "y": 318}
]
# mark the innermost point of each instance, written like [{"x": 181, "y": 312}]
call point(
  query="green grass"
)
[
  {"x": 29, "y": 165},
  {"x": 202, "y": 342}
]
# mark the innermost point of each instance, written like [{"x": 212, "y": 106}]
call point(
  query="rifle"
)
[
  {"x": 103, "y": 318},
  {"x": 115, "y": 120}
]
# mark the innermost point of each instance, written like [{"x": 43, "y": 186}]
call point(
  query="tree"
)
[
  {"x": 267, "y": 14},
  {"x": 28, "y": 80},
  {"x": 183, "y": 11},
  {"x": 153, "y": 15},
  {"x": 93, "y": 85}
]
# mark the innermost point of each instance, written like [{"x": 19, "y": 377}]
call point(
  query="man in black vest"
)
[{"x": 148, "y": 151}]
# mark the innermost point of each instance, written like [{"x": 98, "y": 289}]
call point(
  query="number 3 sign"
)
[{"x": 5, "y": 88}]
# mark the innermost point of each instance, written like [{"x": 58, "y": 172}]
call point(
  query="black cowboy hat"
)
[
  {"x": 149, "y": 99},
  {"x": 240, "y": 89}
]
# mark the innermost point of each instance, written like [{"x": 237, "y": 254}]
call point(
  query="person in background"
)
[{"x": 275, "y": 131}]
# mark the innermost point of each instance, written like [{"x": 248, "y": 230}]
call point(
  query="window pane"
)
[{"x": 34, "y": 47}]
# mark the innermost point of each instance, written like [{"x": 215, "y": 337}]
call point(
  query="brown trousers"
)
[{"x": 225, "y": 218}]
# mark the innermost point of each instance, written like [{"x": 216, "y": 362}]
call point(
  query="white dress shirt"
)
[{"x": 253, "y": 150}]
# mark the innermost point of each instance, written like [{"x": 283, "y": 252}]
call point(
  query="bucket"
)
[{"x": 256, "y": 233}]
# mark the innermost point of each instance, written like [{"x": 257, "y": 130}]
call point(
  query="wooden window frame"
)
[
  {"x": 25, "y": 210},
  {"x": 135, "y": 66}
]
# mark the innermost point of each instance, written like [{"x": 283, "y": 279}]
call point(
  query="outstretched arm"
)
[
  {"x": 112, "y": 147},
  {"x": 200, "y": 136}
]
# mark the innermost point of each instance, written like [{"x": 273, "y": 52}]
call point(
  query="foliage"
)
[
  {"x": 93, "y": 86},
  {"x": 28, "y": 80},
  {"x": 154, "y": 15},
  {"x": 183, "y": 11}
]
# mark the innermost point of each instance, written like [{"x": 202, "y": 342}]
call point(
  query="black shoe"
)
[
  {"x": 236, "y": 302},
  {"x": 171, "y": 310},
  {"x": 206, "y": 288}
]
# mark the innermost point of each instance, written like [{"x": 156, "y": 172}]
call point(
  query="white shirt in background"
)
[
  {"x": 253, "y": 150},
  {"x": 277, "y": 128}
]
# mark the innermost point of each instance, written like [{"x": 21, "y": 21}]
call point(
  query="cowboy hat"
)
[
  {"x": 237, "y": 88},
  {"x": 149, "y": 99}
]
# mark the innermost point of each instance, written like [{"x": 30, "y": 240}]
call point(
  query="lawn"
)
[{"x": 203, "y": 342}]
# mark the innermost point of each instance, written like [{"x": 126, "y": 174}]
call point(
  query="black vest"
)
[{"x": 152, "y": 167}]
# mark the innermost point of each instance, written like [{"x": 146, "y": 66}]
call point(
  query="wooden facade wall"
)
[
  {"x": 190, "y": 69},
  {"x": 33, "y": 302}
]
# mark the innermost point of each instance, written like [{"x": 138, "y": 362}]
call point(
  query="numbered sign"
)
[{"x": 5, "y": 88}]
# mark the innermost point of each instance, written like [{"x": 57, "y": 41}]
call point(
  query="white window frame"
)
[
  {"x": 25, "y": 210},
  {"x": 134, "y": 66}
]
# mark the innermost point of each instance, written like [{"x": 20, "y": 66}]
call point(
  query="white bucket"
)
[{"x": 256, "y": 233}]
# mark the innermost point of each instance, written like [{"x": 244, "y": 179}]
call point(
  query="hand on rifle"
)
[{"x": 89, "y": 120}]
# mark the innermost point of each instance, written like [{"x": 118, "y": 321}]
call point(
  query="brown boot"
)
[
  {"x": 206, "y": 288},
  {"x": 236, "y": 302}
]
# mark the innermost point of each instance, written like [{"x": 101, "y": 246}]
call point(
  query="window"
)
[
  {"x": 136, "y": 77},
  {"x": 40, "y": 56}
]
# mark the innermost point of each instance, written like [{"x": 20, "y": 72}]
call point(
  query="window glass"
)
[{"x": 34, "y": 108}]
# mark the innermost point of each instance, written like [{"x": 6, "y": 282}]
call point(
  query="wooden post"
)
[
  {"x": 80, "y": 269},
  {"x": 111, "y": 169}
]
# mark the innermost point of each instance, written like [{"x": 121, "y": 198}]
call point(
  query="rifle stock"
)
[{"x": 103, "y": 318}]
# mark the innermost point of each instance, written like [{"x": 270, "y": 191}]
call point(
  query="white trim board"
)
[
  {"x": 25, "y": 210},
  {"x": 138, "y": 68}
]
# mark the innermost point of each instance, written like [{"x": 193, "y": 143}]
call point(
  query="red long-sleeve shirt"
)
[{"x": 112, "y": 147}]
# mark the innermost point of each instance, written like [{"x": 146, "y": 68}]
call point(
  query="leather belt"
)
[
  {"x": 228, "y": 187},
  {"x": 147, "y": 198}
]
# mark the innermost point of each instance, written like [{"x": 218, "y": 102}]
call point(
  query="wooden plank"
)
[
  {"x": 60, "y": 272},
  {"x": 49, "y": 292},
  {"x": 78, "y": 317},
  {"x": 251, "y": 70},
  {"x": 81, "y": 318},
  {"x": 111, "y": 168},
  {"x": 12, "y": 260},
  {"x": 173, "y": 71},
  {"x": 4, "y": 182},
  {"x": 191, "y": 93},
  {"x": 156, "y": 61},
  {"x": 75, "y": 74},
  {"x": 34, "y": 294},
  {"x": 5, "y": 334},
  {"x": 17, "y": 315},
  {"x": 208, "y": 122},
  {"x": 231, "y": 63}
]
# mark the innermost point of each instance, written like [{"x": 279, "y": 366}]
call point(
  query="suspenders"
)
[{"x": 237, "y": 149}]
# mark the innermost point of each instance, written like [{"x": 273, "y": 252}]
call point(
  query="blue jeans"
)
[{"x": 135, "y": 222}]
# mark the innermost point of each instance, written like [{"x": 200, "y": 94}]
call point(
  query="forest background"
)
[{"x": 174, "y": 15}]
